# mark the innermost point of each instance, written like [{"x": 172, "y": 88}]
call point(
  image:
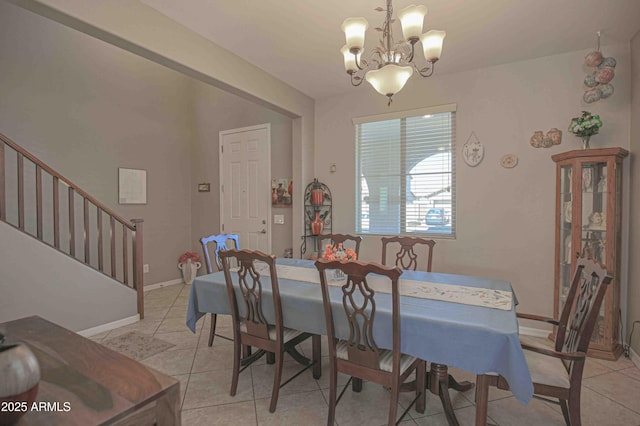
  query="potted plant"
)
[{"x": 585, "y": 126}]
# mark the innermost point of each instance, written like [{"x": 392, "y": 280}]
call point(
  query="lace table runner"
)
[{"x": 497, "y": 299}]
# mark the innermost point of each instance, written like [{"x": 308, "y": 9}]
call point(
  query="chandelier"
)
[{"x": 390, "y": 64}]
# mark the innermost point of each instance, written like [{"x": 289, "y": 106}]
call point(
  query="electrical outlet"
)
[
  {"x": 278, "y": 218},
  {"x": 145, "y": 268}
]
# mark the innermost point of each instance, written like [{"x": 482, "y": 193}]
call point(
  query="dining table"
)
[{"x": 441, "y": 328}]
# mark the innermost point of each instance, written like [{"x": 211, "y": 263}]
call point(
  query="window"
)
[{"x": 406, "y": 168}]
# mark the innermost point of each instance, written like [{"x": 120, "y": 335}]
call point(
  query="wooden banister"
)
[
  {"x": 68, "y": 183},
  {"x": 93, "y": 238}
]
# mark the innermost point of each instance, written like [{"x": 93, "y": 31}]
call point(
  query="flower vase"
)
[
  {"x": 317, "y": 197},
  {"x": 317, "y": 225},
  {"x": 189, "y": 270},
  {"x": 585, "y": 142}
]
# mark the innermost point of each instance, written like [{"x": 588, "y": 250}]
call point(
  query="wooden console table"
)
[{"x": 98, "y": 385}]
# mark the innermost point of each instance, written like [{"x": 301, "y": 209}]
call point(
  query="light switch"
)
[{"x": 278, "y": 218}]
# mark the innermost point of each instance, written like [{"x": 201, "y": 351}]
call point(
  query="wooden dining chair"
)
[
  {"x": 406, "y": 257},
  {"x": 359, "y": 355},
  {"x": 557, "y": 372},
  {"x": 248, "y": 299},
  {"x": 222, "y": 242},
  {"x": 439, "y": 381},
  {"x": 337, "y": 239}
]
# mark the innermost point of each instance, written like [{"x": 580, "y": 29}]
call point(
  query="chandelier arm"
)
[
  {"x": 355, "y": 82},
  {"x": 429, "y": 72},
  {"x": 358, "y": 63},
  {"x": 410, "y": 58}
]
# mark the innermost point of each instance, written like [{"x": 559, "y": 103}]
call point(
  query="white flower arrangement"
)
[{"x": 586, "y": 125}]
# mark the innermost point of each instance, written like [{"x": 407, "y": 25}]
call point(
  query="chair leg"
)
[
  {"x": 333, "y": 393},
  {"x": 574, "y": 407},
  {"x": 236, "y": 366},
  {"x": 317, "y": 356},
  {"x": 212, "y": 331},
  {"x": 277, "y": 377},
  {"x": 421, "y": 385},
  {"x": 393, "y": 408}
]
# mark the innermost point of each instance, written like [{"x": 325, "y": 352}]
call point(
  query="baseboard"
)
[
  {"x": 163, "y": 284},
  {"x": 635, "y": 358},
  {"x": 109, "y": 326},
  {"x": 536, "y": 332}
]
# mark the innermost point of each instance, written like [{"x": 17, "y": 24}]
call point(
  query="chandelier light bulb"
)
[
  {"x": 411, "y": 19},
  {"x": 354, "y": 29},
  {"x": 432, "y": 44},
  {"x": 350, "y": 60}
]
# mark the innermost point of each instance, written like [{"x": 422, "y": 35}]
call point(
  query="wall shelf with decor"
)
[
  {"x": 318, "y": 215},
  {"x": 588, "y": 223}
]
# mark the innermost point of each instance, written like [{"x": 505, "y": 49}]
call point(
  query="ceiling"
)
[{"x": 298, "y": 41}]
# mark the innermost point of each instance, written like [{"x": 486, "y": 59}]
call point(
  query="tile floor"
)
[{"x": 611, "y": 390}]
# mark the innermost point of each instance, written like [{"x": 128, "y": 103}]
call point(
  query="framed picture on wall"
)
[
  {"x": 132, "y": 186},
  {"x": 204, "y": 187},
  {"x": 281, "y": 189}
]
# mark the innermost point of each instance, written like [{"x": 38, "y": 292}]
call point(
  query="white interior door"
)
[{"x": 245, "y": 185}]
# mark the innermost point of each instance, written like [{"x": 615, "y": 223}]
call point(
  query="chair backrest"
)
[
  {"x": 582, "y": 306},
  {"x": 406, "y": 257},
  {"x": 221, "y": 241},
  {"x": 251, "y": 289},
  {"x": 359, "y": 307},
  {"x": 337, "y": 239}
]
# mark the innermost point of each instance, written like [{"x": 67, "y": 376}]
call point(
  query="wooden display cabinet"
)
[{"x": 588, "y": 221}]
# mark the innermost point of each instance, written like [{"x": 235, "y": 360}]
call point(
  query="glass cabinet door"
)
[
  {"x": 594, "y": 211},
  {"x": 566, "y": 213}
]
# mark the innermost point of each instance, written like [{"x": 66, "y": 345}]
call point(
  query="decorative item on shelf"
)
[
  {"x": 540, "y": 140},
  {"x": 472, "y": 150},
  {"x": 585, "y": 126},
  {"x": 587, "y": 177},
  {"x": 391, "y": 64},
  {"x": 317, "y": 194},
  {"x": 602, "y": 183},
  {"x": 598, "y": 82},
  {"x": 597, "y": 221},
  {"x": 509, "y": 161},
  {"x": 20, "y": 378},
  {"x": 189, "y": 264},
  {"x": 567, "y": 211},
  {"x": 317, "y": 224}
]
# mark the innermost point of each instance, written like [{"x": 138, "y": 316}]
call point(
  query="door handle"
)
[{"x": 264, "y": 231}]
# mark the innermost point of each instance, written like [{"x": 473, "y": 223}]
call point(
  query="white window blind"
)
[{"x": 406, "y": 170}]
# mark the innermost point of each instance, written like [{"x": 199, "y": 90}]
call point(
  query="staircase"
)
[{"x": 40, "y": 202}]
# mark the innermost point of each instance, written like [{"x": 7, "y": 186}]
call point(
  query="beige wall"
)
[
  {"x": 505, "y": 222},
  {"x": 634, "y": 227},
  {"x": 144, "y": 31},
  {"x": 56, "y": 287},
  {"x": 215, "y": 111},
  {"x": 86, "y": 108}
]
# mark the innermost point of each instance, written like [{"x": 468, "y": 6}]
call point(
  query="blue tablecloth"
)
[{"x": 473, "y": 338}]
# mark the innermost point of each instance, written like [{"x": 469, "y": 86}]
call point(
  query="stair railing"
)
[{"x": 120, "y": 239}]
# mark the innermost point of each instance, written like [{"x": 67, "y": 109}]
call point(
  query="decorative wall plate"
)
[
  {"x": 509, "y": 161},
  {"x": 472, "y": 151}
]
